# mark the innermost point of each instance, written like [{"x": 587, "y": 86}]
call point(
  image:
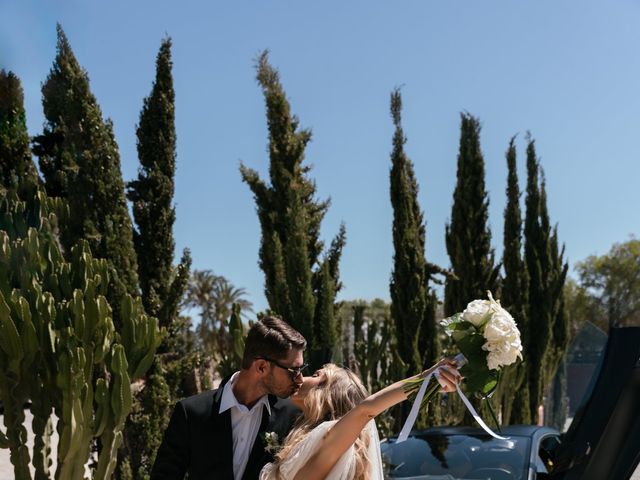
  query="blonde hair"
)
[{"x": 339, "y": 393}]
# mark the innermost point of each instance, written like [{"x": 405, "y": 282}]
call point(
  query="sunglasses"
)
[{"x": 293, "y": 371}]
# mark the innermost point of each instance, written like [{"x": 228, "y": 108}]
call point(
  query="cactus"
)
[
  {"x": 375, "y": 350},
  {"x": 16, "y": 345},
  {"x": 231, "y": 360},
  {"x": 42, "y": 426},
  {"x": 59, "y": 348}
]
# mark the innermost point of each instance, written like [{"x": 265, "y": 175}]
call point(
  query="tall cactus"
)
[
  {"x": 231, "y": 360},
  {"x": 375, "y": 350},
  {"x": 58, "y": 345}
]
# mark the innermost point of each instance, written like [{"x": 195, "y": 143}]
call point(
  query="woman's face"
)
[{"x": 307, "y": 384}]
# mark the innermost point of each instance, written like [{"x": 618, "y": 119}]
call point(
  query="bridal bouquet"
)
[{"x": 488, "y": 339}]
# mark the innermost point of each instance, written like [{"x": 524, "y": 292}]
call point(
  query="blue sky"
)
[{"x": 566, "y": 71}]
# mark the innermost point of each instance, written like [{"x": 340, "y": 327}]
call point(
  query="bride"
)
[{"x": 336, "y": 437}]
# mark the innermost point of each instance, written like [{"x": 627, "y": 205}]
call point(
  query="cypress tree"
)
[
  {"x": 537, "y": 257},
  {"x": 413, "y": 303},
  {"x": 326, "y": 285},
  {"x": 468, "y": 237},
  {"x": 325, "y": 325},
  {"x": 17, "y": 170},
  {"x": 80, "y": 162},
  {"x": 162, "y": 285},
  {"x": 290, "y": 218},
  {"x": 547, "y": 273},
  {"x": 515, "y": 280},
  {"x": 515, "y": 407},
  {"x": 557, "y": 275},
  {"x": 152, "y": 195}
]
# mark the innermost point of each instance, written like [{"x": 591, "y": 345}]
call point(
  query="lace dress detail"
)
[{"x": 345, "y": 467}]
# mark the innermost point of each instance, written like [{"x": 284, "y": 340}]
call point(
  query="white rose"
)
[
  {"x": 500, "y": 326},
  {"x": 501, "y": 358},
  {"x": 476, "y": 312},
  {"x": 503, "y": 339},
  {"x": 502, "y": 353}
]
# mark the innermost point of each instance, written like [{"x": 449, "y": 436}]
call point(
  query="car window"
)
[
  {"x": 573, "y": 382},
  {"x": 457, "y": 456}
]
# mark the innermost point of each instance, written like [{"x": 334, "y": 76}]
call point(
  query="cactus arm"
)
[
  {"x": 42, "y": 426},
  {"x": 9, "y": 337},
  {"x": 111, "y": 441},
  {"x": 16, "y": 432},
  {"x": 4, "y": 441}
]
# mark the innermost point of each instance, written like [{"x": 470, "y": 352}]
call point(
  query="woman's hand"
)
[{"x": 446, "y": 371}]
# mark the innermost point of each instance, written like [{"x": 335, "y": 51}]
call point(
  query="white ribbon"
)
[
  {"x": 467, "y": 403},
  {"x": 415, "y": 408}
]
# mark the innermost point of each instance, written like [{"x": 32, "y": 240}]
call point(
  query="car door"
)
[{"x": 603, "y": 442}]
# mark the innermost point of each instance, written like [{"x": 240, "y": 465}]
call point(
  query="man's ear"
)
[{"x": 260, "y": 366}]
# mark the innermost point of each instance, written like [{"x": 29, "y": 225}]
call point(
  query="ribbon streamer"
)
[
  {"x": 415, "y": 408},
  {"x": 467, "y": 404},
  {"x": 413, "y": 414}
]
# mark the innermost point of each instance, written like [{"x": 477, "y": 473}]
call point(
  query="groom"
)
[{"x": 220, "y": 434}]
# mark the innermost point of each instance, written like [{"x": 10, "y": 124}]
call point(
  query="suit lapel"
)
[
  {"x": 221, "y": 438},
  {"x": 258, "y": 456}
]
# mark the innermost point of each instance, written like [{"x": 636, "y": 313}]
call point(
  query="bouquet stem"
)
[
  {"x": 412, "y": 387},
  {"x": 493, "y": 414}
]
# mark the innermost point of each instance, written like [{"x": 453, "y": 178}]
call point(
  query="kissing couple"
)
[{"x": 325, "y": 421}]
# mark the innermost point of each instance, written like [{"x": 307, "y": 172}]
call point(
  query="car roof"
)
[{"x": 510, "y": 430}]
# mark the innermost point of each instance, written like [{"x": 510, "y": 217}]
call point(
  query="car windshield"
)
[{"x": 448, "y": 457}]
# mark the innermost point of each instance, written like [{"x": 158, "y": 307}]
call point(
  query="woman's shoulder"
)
[
  {"x": 321, "y": 429},
  {"x": 327, "y": 424}
]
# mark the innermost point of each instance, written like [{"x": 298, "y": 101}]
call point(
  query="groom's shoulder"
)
[
  {"x": 199, "y": 404},
  {"x": 283, "y": 415},
  {"x": 283, "y": 405}
]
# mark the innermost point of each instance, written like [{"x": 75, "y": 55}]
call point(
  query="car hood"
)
[{"x": 604, "y": 439}]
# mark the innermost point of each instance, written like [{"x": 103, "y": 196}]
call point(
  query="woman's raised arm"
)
[{"x": 345, "y": 432}]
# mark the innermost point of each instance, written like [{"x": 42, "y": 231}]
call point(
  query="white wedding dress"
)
[{"x": 344, "y": 469}]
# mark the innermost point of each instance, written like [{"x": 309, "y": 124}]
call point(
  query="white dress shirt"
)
[{"x": 245, "y": 424}]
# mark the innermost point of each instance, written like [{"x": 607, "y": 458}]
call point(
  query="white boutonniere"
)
[{"x": 271, "y": 442}]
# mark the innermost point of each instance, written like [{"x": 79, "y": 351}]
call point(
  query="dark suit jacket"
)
[{"x": 198, "y": 439}]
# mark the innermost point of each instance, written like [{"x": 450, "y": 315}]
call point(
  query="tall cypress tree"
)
[
  {"x": 537, "y": 257},
  {"x": 80, "y": 162},
  {"x": 468, "y": 237},
  {"x": 557, "y": 275},
  {"x": 327, "y": 284},
  {"x": 547, "y": 272},
  {"x": 162, "y": 284},
  {"x": 290, "y": 218},
  {"x": 412, "y": 302},
  {"x": 514, "y": 390},
  {"x": 152, "y": 195},
  {"x": 17, "y": 170}
]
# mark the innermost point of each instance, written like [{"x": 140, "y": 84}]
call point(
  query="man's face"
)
[{"x": 278, "y": 380}]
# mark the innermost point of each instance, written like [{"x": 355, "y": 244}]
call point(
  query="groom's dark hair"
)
[{"x": 273, "y": 338}]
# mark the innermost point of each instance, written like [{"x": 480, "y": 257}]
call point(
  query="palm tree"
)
[{"x": 214, "y": 295}]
